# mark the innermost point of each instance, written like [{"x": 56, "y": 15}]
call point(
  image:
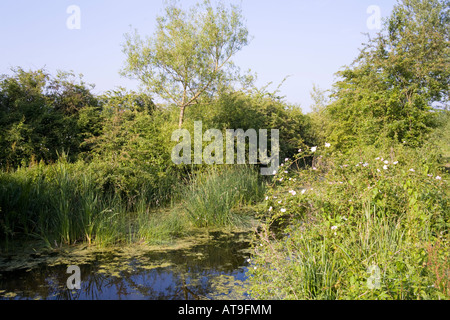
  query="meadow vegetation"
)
[{"x": 358, "y": 209}]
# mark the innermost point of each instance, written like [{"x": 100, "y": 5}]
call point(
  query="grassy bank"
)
[
  {"x": 372, "y": 225},
  {"x": 66, "y": 203}
]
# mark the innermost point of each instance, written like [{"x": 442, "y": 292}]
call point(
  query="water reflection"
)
[{"x": 211, "y": 270}]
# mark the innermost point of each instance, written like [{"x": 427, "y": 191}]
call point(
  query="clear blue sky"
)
[{"x": 307, "y": 39}]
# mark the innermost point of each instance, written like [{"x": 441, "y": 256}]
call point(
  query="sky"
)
[{"x": 307, "y": 40}]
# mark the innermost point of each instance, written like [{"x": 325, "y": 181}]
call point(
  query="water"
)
[{"x": 207, "y": 266}]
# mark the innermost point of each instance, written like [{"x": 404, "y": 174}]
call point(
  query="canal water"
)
[{"x": 208, "y": 265}]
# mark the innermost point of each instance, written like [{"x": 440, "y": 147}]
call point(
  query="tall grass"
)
[
  {"x": 368, "y": 228},
  {"x": 62, "y": 203},
  {"x": 211, "y": 196}
]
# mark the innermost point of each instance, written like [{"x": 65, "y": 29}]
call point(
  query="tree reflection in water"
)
[{"x": 204, "y": 271}]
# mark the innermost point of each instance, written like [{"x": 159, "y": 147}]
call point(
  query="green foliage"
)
[
  {"x": 190, "y": 53},
  {"x": 42, "y": 115},
  {"x": 254, "y": 110},
  {"x": 348, "y": 214},
  {"x": 388, "y": 92},
  {"x": 211, "y": 196}
]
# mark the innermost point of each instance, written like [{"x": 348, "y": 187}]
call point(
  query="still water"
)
[{"x": 210, "y": 265}]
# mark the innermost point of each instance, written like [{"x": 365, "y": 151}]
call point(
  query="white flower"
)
[
  {"x": 378, "y": 170},
  {"x": 313, "y": 149},
  {"x": 333, "y": 227},
  {"x": 386, "y": 162},
  {"x": 285, "y": 172},
  {"x": 275, "y": 172},
  {"x": 438, "y": 178},
  {"x": 299, "y": 150},
  {"x": 377, "y": 158},
  {"x": 314, "y": 168},
  {"x": 396, "y": 162},
  {"x": 303, "y": 191},
  {"x": 327, "y": 145},
  {"x": 365, "y": 164},
  {"x": 280, "y": 201},
  {"x": 412, "y": 170},
  {"x": 292, "y": 192},
  {"x": 286, "y": 160},
  {"x": 281, "y": 179},
  {"x": 385, "y": 167},
  {"x": 429, "y": 175},
  {"x": 270, "y": 209},
  {"x": 267, "y": 198},
  {"x": 283, "y": 210},
  {"x": 344, "y": 218}
]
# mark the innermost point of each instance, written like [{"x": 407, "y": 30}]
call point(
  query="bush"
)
[{"x": 346, "y": 216}]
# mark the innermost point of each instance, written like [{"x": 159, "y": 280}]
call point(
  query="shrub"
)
[{"x": 348, "y": 215}]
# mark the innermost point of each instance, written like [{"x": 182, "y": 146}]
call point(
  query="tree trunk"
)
[{"x": 181, "y": 116}]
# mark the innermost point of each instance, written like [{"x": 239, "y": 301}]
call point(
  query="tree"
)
[
  {"x": 189, "y": 54},
  {"x": 41, "y": 116},
  {"x": 389, "y": 91}
]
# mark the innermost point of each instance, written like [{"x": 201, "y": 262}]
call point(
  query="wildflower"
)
[
  {"x": 283, "y": 210},
  {"x": 345, "y": 165},
  {"x": 280, "y": 201},
  {"x": 292, "y": 192},
  {"x": 248, "y": 260},
  {"x": 386, "y": 162},
  {"x": 385, "y": 167},
  {"x": 365, "y": 164},
  {"x": 314, "y": 168},
  {"x": 344, "y": 218},
  {"x": 285, "y": 172},
  {"x": 396, "y": 162},
  {"x": 299, "y": 150},
  {"x": 327, "y": 145},
  {"x": 377, "y": 158},
  {"x": 378, "y": 170},
  {"x": 333, "y": 227},
  {"x": 412, "y": 170},
  {"x": 267, "y": 198},
  {"x": 286, "y": 160},
  {"x": 281, "y": 179},
  {"x": 438, "y": 178},
  {"x": 275, "y": 172},
  {"x": 303, "y": 191},
  {"x": 429, "y": 175},
  {"x": 270, "y": 209},
  {"x": 313, "y": 149}
]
